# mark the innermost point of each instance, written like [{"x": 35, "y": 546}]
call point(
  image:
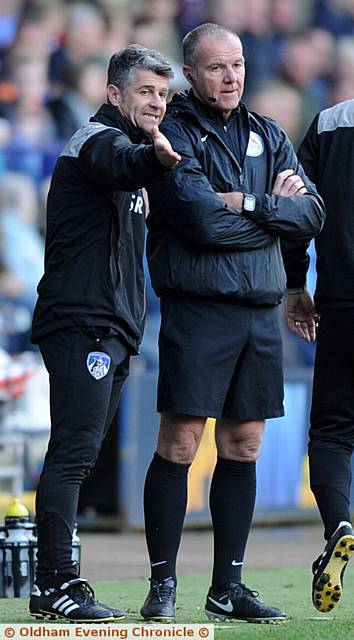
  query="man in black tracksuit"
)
[
  {"x": 214, "y": 254},
  {"x": 327, "y": 155},
  {"x": 91, "y": 306}
]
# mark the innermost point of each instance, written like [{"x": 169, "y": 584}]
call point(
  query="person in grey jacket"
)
[
  {"x": 216, "y": 224},
  {"x": 89, "y": 316}
]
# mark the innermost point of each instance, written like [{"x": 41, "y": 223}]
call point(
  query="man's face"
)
[
  {"x": 218, "y": 74},
  {"x": 143, "y": 100}
]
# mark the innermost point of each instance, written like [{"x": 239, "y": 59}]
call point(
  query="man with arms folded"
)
[{"x": 215, "y": 260}]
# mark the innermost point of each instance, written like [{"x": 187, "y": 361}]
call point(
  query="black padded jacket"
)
[
  {"x": 199, "y": 246},
  {"x": 327, "y": 155},
  {"x": 96, "y": 230}
]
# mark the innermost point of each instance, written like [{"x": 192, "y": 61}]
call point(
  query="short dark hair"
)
[
  {"x": 191, "y": 40},
  {"x": 125, "y": 62}
]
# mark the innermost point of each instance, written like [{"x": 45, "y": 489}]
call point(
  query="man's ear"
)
[
  {"x": 113, "y": 95},
  {"x": 187, "y": 72}
]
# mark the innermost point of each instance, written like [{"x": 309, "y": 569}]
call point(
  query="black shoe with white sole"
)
[
  {"x": 240, "y": 603},
  {"x": 328, "y": 569},
  {"x": 73, "y": 600}
]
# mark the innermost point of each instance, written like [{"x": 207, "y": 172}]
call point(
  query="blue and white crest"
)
[
  {"x": 255, "y": 145},
  {"x": 98, "y": 364}
]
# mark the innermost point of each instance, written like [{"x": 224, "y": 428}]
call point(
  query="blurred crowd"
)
[{"x": 53, "y": 61}]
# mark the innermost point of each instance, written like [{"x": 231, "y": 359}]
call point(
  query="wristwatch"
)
[{"x": 249, "y": 202}]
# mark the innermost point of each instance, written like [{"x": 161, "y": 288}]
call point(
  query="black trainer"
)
[
  {"x": 160, "y": 601},
  {"x": 240, "y": 603},
  {"x": 73, "y": 600},
  {"x": 328, "y": 569}
]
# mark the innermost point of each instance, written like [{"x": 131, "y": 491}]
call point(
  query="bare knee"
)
[
  {"x": 239, "y": 440},
  {"x": 245, "y": 450},
  {"x": 179, "y": 437}
]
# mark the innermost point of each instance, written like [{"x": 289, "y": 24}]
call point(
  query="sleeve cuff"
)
[{"x": 294, "y": 290}]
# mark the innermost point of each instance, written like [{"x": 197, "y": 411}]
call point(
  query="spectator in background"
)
[
  {"x": 342, "y": 90},
  {"x": 283, "y": 102},
  {"x": 26, "y": 68},
  {"x": 343, "y": 86},
  {"x": 18, "y": 220},
  {"x": 335, "y": 16},
  {"x": 9, "y": 15},
  {"x": 324, "y": 51},
  {"x": 288, "y": 17},
  {"x": 15, "y": 319},
  {"x": 259, "y": 47},
  {"x": 120, "y": 18},
  {"x": 85, "y": 35},
  {"x": 231, "y": 14},
  {"x": 80, "y": 95},
  {"x": 33, "y": 35},
  {"x": 33, "y": 133},
  {"x": 22, "y": 254},
  {"x": 161, "y": 17},
  {"x": 32, "y": 124},
  {"x": 300, "y": 67},
  {"x": 150, "y": 33},
  {"x": 190, "y": 14}
]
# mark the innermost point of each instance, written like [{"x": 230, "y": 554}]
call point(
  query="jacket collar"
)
[
  {"x": 185, "y": 103},
  {"x": 111, "y": 116},
  {"x": 213, "y": 115}
]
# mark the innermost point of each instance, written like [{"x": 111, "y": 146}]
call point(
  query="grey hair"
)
[
  {"x": 123, "y": 64},
  {"x": 191, "y": 40}
]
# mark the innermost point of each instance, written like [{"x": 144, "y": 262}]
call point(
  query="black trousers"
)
[
  {"x": 87, "y": 367},
  {"x": 332, "y": 418},
  {"x": 332, "y": 412}
]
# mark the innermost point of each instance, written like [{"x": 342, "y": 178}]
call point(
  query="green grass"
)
[{"x": 287, "y": 588}]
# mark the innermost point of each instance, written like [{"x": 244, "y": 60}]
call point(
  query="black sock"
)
[
  {"x": 165, "y": 503},
  {"x": 330, "y": 476},
  {"x": 51, "y": 580},
  {"x": 232, "y": 498}
]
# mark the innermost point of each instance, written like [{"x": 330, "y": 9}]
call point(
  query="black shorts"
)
[
  {"x": 332, "y": 413},
  {"x": 220, "y": 359}
]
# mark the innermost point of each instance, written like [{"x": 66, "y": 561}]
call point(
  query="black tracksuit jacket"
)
[
  {"x": 327, "y": 153},
  {"x": 95, "y": 231},
  {"x": 199, "y": 246}
]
